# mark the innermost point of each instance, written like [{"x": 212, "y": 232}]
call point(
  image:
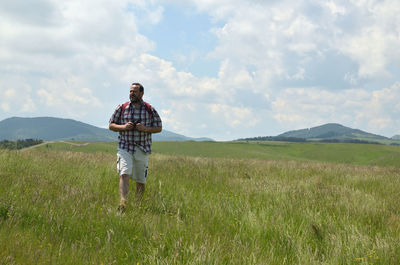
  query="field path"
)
[{"x": 50, "y": 142}]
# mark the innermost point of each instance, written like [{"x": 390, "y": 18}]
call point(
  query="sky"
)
[{"x": 224, "y": 69}]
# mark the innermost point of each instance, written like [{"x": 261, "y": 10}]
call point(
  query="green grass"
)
[
  {"x": 59, "y": 207},
  {"x": 80, "y": 146},
  {"x": 357, "y": 154},
  {"x": 362, "y": 154}
]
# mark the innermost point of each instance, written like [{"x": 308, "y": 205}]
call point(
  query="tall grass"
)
[
  {"x": 361, "y": 154},
  {"x": 357, "y": 154},
  {"x": 60, "y": 208}
]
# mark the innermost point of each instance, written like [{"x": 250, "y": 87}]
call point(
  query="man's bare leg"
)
[{"x": 123, "y": 190}]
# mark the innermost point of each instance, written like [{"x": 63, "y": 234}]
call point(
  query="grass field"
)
[
  {"x": 358, "y": 154},
  {"x": 205, "y": 203},
  {"x": 362, "y": 154}
]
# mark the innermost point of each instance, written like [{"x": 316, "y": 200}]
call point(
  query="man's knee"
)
[{"x": 125, "y": 176}]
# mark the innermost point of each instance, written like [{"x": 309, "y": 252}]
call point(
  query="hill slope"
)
[
  {"x": 396, "y": 137},
  {"x": 331, "y": 131},
  {"x": 50, "y": 129}
]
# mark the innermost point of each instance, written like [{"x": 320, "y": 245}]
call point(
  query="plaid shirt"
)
[{"x": 128, "y": 140}]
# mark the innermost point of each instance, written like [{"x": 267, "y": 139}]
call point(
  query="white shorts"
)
[{"x": 135, "y": 165}]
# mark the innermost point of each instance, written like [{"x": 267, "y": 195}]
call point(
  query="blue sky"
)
[
  {"x": 224, "y": 69},
  {"x": 183, "y": 36}
]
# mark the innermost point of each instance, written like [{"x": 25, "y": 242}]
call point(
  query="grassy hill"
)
[
  {"x": 332, "y": 131},
  {"x": 49, "y": 129},
  {"x": 396, "y": 137},
  {"x": 328, "y": 133},
  {"x": 58, "y": 206}
]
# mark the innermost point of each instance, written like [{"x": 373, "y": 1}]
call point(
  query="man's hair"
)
[{"x": 141, "y": 88}]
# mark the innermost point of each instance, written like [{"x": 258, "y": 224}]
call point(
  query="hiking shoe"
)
[{"x": 122, "y": 206}]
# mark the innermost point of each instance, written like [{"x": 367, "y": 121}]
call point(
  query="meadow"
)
[{"x": 205, "y": 203}]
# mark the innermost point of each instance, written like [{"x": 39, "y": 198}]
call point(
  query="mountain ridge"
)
[
  {"x": 396, "y": 137},
  {"x": 52, "y": 128},
  {"x": 331, "y": 131}
]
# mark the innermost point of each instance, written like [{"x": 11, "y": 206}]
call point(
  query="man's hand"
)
[
  {"x": 129, "y": 126},
  {"x": 141, "y": 127}
]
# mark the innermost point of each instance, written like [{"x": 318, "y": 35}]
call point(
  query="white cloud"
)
[
  {"x": 68, "y": 52},
  {"x": 264, "y": 34},
  {"x": 16, "y": 99},
  {"x": 375, "y": 111},
  {"x": 384, "y": 108},
  {"x": 10, "y": 93},
  {"x": 69, "y": 94},
  {"x": 283, "y": 64},
  {"x": 211, "y": 119},
  {"x": 302, "y": 30},
  {"x": 86, "y": 36},
  {"x": 195, "y": 106},
  {"x": 167, "y": 82},
  {"x": 335, "y": 8},
  {"x": 368, "y": 49},
  {"x": 373, "y": 44}
]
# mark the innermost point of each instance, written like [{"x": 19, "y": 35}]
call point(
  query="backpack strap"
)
[
  {"x": 126, "y": 104},
  {"x": 147, "y": 106}
]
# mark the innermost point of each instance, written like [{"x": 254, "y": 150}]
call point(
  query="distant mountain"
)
[
  {"x": 50, "y": 129},
  {"x": 396, "y": 137},
  {"x": 170, "y": 136},
  {"x": 332, "y": 131}
]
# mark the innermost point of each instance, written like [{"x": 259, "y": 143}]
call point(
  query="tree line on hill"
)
[
  {"x": 304, "y": 140},
  {"x": 19, "y": 144}
]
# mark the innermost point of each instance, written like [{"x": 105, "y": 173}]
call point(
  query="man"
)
[{"x": 135, "y": 121}]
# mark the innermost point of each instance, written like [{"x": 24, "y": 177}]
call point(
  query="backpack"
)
[{"x": 147, "y": 106}]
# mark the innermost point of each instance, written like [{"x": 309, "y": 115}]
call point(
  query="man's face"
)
[{"x": 134, "y": 94}]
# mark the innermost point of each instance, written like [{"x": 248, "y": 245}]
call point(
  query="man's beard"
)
[{"x": 135, "y": 100}]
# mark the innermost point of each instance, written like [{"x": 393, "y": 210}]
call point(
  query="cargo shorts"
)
[{"x": 135, "y": 165}]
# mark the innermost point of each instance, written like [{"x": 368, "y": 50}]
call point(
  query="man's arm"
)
[
  {"x": 130, "y": 126},
  {"x": 120, "y": 128},
  {"x": 142, "y": 128}
]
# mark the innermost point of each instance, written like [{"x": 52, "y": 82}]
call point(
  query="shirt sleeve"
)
[
  {"x": 156, "y": 122},
  {"x": 116, "y": 117}
]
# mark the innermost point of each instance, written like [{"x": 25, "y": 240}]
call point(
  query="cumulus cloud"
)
[
  {"x": 273, "y": 47},
  {"x": 374, "y": 111},
  {"x": 70, "y": 92},
  {"x": 198, "y": 106},
  {"x": 372, "y": 44},
  {"x": 17, "y": 100},
  {"x": 217, "y": 120},
  {"x": 282, "y": 64},
  {"x": 66, "y": 51},
  {"x": 291, "y": 35}
]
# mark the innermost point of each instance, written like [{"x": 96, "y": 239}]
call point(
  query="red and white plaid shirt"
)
[{"x": 128, "y": 140}]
